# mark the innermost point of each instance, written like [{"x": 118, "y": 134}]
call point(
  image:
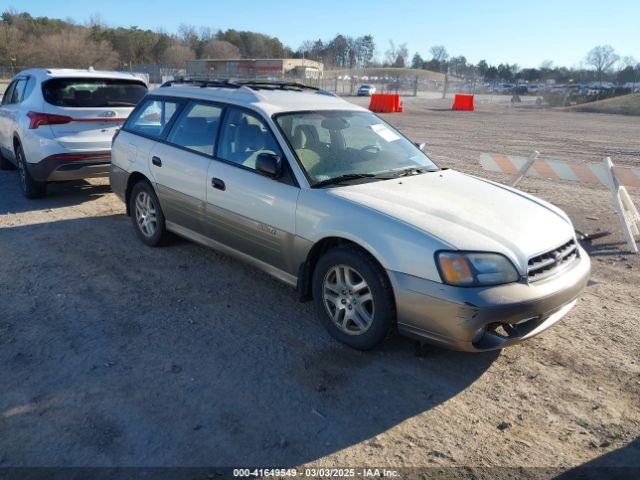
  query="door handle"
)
[
  {"x": 217, "y": 183},
  {"x": 156, "y": 161}
]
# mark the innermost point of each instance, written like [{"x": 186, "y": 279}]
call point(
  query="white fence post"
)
[
  {"x": 519, "y": 175},
  {"x": 627, "y": 212},
  {"x": 523, "y": 170}
]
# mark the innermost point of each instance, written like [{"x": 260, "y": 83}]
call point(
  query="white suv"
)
[{"x": 57, "y": 125}]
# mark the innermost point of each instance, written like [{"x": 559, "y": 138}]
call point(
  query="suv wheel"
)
[
  {"x": 30, "y": 188},
  {"x": 353, "y": 298},
  {"x": 146, "y": 214}
]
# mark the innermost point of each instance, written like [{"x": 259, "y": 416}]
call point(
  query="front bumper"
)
[
  {"x": 485, "y": 318},
  {"x": 70, "y": 166}
]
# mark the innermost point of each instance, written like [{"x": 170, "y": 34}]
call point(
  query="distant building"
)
[{"x": 260, "y": 68}]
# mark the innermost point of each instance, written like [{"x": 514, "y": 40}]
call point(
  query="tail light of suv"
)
[{"x": 37, "y": 119}]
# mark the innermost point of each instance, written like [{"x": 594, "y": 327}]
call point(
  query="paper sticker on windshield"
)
[{"x": 386, "y": 133}]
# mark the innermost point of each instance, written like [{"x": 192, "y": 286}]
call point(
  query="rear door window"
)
[
  {"x": 93, "y": 92},
  {"x": 196, "y": 128},
  {"x": 152, "y": 118}
]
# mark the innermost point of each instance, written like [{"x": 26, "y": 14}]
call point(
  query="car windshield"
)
[
  {"x": 93, "y": 92},
  {"x": 335, "y": 144}
]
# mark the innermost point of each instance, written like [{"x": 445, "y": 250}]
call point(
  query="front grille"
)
[{"x": 552, "y": 261}]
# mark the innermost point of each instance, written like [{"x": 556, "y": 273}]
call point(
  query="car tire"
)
[
  {"x": 5, "y": 164},
  {"x": 146, "y": 214},
  {"x": 342, "y": 299},
  {"x": 30, "y": 188}
]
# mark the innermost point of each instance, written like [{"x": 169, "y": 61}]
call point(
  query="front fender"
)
[{"x": 396, "y": 245}]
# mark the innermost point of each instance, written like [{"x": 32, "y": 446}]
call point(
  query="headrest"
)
[
  {"x": 304, "y": 136},
  {"x": 249, "y": 138}
]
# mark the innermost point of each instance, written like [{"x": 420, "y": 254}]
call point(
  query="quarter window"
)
[
  {"x": 196, "y": 128},
  {"x": 153, "y": 117},
  {"x": 18, "y": 91},
  {"x": 244, "y": 137}
]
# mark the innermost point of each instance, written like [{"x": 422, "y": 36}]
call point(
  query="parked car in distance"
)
[
  {"x": 366, "y": 90},
  {"x": 329, "y": 198},
  {"x": 503, "y": 88},
  {"x": 532, "y": 88},
  {"x": 57, "y": 124}
]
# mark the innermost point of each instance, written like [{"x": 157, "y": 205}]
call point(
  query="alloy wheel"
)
[
  {"x": 146, "y": 214},
  {"x": 348, "y": 299}
]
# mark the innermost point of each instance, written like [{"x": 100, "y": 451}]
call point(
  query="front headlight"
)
[{"x": 470, "y": 269}]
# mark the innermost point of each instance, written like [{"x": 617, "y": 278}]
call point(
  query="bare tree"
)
[
  {"x": 396, "y": 56},
  {"x": 402, "y": 54},
  {"x": 71, "y": 49},
  {"x": 602, "y": 58},
  {"x": 306, "y": 48},
  {"x": 177, "y": 55},
  {"x": 546, "y": 65},
  {"x": 627, "y": 61},
  {"x": 11, "y": 41},
  {"x": 220, "y": 49},
  {"x": 391, "y": 54},
  {"x": 439, "y": 53}
]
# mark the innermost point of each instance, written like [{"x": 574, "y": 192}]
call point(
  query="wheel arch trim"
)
[
  {"x": 319, "y": 247},
  {"x": 133, "y": 178}
]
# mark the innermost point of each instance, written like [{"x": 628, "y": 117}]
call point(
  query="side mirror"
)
[
  {"x": 269, "y": 165},
  {"x": 420, "y": 145}
]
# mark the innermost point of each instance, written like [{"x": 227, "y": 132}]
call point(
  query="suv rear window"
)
[{"x": 93, "y": 92}]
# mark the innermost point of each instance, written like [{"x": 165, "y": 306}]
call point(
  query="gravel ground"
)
[{"x": 116, "y": 354}]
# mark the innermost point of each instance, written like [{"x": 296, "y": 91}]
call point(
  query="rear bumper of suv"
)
[
  {"x": 485, "y": 318},
  {"x": 71, "y": 166}
]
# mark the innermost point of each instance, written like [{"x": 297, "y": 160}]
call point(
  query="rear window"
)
[
  {"x": 152, "y": 117},
  {"x": 93, "y": 92}
]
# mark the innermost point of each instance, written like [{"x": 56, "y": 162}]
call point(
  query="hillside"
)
[{"x": 623, "y": 105}]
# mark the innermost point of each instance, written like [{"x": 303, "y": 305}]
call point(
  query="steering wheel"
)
[{"x": 371, "y": 149}]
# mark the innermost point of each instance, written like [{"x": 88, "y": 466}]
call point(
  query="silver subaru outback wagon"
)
[{"x": 330, "y": 199}]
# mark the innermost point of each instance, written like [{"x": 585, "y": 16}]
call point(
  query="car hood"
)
[{"x": 467, "y": 213}]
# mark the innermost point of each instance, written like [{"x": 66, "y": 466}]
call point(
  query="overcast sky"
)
[{"x": 521, "y": 32}]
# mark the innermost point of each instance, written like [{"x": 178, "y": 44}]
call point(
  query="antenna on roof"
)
[{"x": 90, "y": 69}]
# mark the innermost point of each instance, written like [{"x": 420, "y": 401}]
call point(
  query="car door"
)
[
  {"x": 180, "y": 163},
  {"x": 245, "y": 210}
]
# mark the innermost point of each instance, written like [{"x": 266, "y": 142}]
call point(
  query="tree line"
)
[
  {"x": 42, "y": 41},
  {"x": 601, "y": 63}
]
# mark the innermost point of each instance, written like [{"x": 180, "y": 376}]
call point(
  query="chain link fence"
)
[{"x": 341, "y": 82}]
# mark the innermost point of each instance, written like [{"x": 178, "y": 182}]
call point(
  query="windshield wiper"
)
[{"x": 342, "y": 178}]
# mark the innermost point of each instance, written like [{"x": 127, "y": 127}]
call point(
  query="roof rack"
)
[
  {"x": 252, "y": 84},
  {"x": 277, "y": 85},
  {"x": 202, "y": 83}
]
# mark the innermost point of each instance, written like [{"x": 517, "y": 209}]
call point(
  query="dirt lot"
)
[{"x": 112, "y": 353}]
